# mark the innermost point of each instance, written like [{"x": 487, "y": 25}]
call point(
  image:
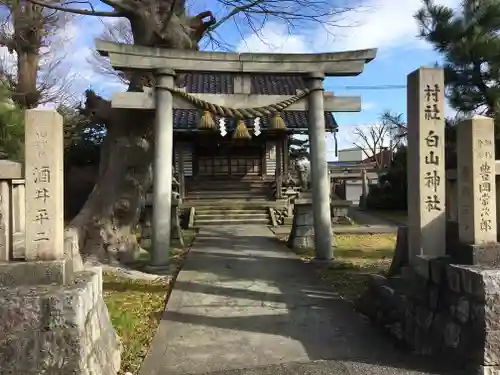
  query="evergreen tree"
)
[
  {"x": 298, "y": 148},
  {"x": 469, "y": 41},
  {"x": 11, "y": 127}
]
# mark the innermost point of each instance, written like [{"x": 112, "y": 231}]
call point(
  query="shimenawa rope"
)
[{"x": 240, "y": 113}]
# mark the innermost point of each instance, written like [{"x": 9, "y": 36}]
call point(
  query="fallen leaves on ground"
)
[
  {"x": 356, "y": 255},
  {"x": 135, "y": 308}
]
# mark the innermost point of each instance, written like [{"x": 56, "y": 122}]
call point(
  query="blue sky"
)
[{"x": 384, "y": 24}]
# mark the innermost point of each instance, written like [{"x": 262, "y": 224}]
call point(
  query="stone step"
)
[
  {"x": 228, "y": 188},
  {"x": 222, "y": 192},
  {"x": 230, "y": 211},
  {"x": 221, "y": 196},
  {"x": 225, "y": 178},
  {"x": 228, "y": 185},
  {"x": 228, "y": 221},
  {"x": 223, "y": 216},
  {"x": 232, "y": 203}
]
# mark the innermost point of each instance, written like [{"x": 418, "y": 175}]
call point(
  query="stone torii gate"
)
[{"x": 165, "y": 63}]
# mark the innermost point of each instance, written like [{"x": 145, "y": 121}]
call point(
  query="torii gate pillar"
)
[
  {"x": 323, "y": 239},
  {"x": 162, "y": 169}
]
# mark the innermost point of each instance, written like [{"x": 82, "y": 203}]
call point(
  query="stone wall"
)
[
  {"x": 58, "y": 329},
  {"x": 445, "y": 309}
]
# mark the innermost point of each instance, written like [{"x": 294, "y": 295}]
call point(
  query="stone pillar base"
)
[
  {"x": 486, "y": 254},
  {"x": 13, "y": 274},
  {"x": 302, "y": 233},
  {"x": 58, "y": 329}
]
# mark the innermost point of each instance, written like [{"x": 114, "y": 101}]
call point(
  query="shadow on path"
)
[{"x": 243, "y": 301}]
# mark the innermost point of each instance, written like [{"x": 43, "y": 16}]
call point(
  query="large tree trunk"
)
[
  {"x": 26, "y": 94},
  {"x": 106, "y": 225}
]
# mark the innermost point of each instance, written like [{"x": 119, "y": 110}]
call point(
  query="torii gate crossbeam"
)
[{"x": 165, "y": 63}]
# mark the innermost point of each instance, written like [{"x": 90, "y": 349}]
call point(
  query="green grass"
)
[
  {"x": 135, "y": 307},
  {"x": 356, "y": 255}
]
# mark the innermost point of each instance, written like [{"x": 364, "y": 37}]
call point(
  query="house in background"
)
[
  {"x": 383, "y": 159},
  {"x": 345, "y": 173},
  {"x": 351, "y": 155}
]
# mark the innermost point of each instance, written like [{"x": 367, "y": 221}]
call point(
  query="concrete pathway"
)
[
  {"x": 243, "y": 305},
  {"x": 344, "y": 229}
]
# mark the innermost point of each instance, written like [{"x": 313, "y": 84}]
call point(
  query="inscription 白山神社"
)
[
  {"x": 41, "y": 178},
  {"x": 485, "y": 187},
  {"x": 432, "y": 178}
]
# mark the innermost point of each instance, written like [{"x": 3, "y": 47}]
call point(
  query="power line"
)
[{"x": 374, "y": 87}]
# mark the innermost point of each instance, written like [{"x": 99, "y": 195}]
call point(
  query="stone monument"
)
[
  {"x": 53, "y": 319},
  {"x": 433, "y": 305},
  {"x": 426, "y": 169},
  {"x": 477, "y": 216},
  {"x": 44, "y": 186}
]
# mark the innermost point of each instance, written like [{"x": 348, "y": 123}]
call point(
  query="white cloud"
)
[
  {"x": 368, "y": 105},
  {"x": 382, "y": 24},
  {"x": 274, "y": 38},
  {"x": 74, "y": 47},
  {"x": 79, "y": 56}
]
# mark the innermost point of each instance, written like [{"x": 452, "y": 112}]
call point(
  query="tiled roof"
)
[{"x": 209, "y": 83}]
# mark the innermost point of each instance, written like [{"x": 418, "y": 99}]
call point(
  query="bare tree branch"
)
[
  {"x": 118, "y": 31},
  {"x": 395, "y": 122},
  {"x": 373, "y": 140},
  {"x": 82, "y": 12},
  {"x": 166, "y": 20},
  {"x": 34, "y": 71},
  {"x": 234, "y": 12}
]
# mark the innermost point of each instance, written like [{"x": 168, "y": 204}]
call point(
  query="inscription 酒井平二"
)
[{"x": 41, "y": 178}]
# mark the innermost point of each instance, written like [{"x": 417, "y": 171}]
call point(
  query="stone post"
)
[
  {"x": 319, "y": 170},
  {"x": 364, "y": 189},
  {"x": 162, "y": 169},
  {"x": 425, "y": 165},
  {"x": 6, "y": 242},
  {"x": 44, "y": 158},
  {"x": 182, "y": 180},
  {"x": 364, "y": 184},
  {"x": 9, "y": 171},
  {"x": 22, "y": 207},
  {"x": 476, "y": 181},
  {"x": 279, "y": 168}
]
